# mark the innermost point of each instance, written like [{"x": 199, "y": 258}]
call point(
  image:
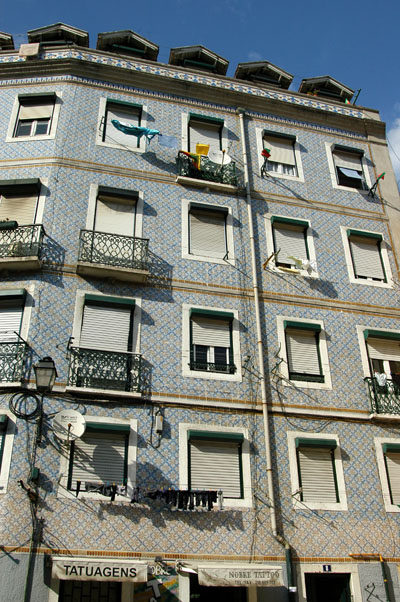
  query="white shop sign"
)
[
  {"x": 240, "y": 575},
  {"x": 82, "y": 569}
]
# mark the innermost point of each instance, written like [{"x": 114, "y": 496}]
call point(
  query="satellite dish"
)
[
  {"x": 219, "y": 157},
  {"x": 69, "y": 425}
]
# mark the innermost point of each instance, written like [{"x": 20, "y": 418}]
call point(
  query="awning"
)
[
  {"x": 239, "y": 575},
  {"x": 84, "y": 569}
]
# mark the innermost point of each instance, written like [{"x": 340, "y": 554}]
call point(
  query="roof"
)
[{"x": 199, "y": 58}]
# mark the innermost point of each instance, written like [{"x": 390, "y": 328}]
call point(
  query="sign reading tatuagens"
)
[{"x": 82, "y": 569}]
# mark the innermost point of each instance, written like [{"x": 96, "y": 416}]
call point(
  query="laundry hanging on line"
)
[{"x": 135, "y": 130}]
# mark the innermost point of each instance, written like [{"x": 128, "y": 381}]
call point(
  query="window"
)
[
  {"x": 281, "y": 148},
  {"x": 215, "y": 459},
  {"x": 366, "y": 257},
  {"x": 304, "y": 353},
  {"x": 104, "y": 456},
  {"x": 293, "y": 243},
  {"x": 105, "y": 339},
  {"x": 7, "y": 430},
  {"x": 347, "y": 167},
  {"x": 383, "y": 349},
  {"x": 34, "y": 116},
  {"x": 212, "y": 336},
  {"x": 205, "y": 131},
  {"x": 388, "y": 458},
  {"x": 12, "y": 345},
  {"x": 316, "y": 472},
  {"x": 127, "y": 113},
  {"x": 19, "y": 201}
]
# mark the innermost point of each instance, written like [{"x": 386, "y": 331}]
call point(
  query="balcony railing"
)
[
  {"x": 11, "y": 361},
  {"x": 384, "y": 399},
  {"x": 111, "y": 370},
  {"x": 210, "y": 367},
  {"x": 114, "y": 250},
  {"x": 21, "y": 241},
  {"x": 208, "y": 170}
]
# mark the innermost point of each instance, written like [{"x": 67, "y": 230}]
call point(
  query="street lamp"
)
[{"x": 45, "y": 374}]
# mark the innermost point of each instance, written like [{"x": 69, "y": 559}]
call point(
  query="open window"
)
[
  {"x": 12, "y": 342},
  {"x": 383, "y": 350},
  {"x": 366, "y": 257},
  {"x": 348, "y": 167},
  {"x": 125, "y": 112},
  {"x": 34, "y": 116},
  {"x": 7, "y": 430},
  {"x": 279, "y": 155},
  {"x": 290, "y": 245}
]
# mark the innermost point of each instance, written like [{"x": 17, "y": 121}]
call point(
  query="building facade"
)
[{"x": 212, "y": 265}]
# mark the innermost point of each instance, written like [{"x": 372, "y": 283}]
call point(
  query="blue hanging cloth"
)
[{"x": 135, "y": 130}]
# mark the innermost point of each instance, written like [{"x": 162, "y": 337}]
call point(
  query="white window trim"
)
[
  {"x": 228, "y": 229},
  {"x": 78, "y": 315},
  {"x": 63, "y": 492},
  {"x": 271, "y": 247},
  {"x": 54, "y": 121},
  {"x": 363, "y": 345},
  {"x": 185, "y": 132},
  {"x": 350, "y": 568},
  {"x": 7, "y": 451},
  {"x": 294, "y": 475},
  {"x": 91, "y": 212},
  {"x": 379, "y": 441},
  {"x": 297, "y": 153},
  {"x": 186, "y": 371},
  {"x": 323, "y": 351},
  {"x": 41, "y": 199},
  {"x": 349, "y": 261},
  {"x": 329, "y": 147},
  {"x": 101, "y": 123},
  {"x": 247, "y": 501}
]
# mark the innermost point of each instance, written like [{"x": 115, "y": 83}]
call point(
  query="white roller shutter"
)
[
  {"x": 215, "y": 466},
  {"x": 10, "y": 322},
  {"x": 347, "y": 160},
  {"x": 291, "y": 242},
  {"x": 124, "y": 115},
  {"x": 393, "y": 472},
  {"x": 201, "y": 132},
  {"x": 281, "y": 149},
  {"x": 207, "y": 233},
  {"x": 366, "y": 257},
  {"x": 22, "y": 209},
  {"x": 115, "y": 216},
  {"x": 302, "y": 351},
  {"x": 317, "y": 475},
  {"x": 210, "y": 332},
  {"x": 99, "y": 457},
  {"x": 105, "y": 327},
  {"x": 40, "y": 110},
  {"x": 383, "y": 349}
]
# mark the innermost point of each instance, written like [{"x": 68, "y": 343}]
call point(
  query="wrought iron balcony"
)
[
  {"x": 111, "y": 370},
  {"x": 208, "y": 170},
  {"x": 384, "y": 399},
  {"x": 21, "y": 241},
  {"x": 210, "y": 367},
  {"x": 114, "y": 250},
  {"x": 11, "y": 361}
]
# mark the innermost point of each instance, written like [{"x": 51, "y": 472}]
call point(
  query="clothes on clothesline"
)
[
  {"x": 184, "y": 499},
  {"x": 106, "y": 489},
  {"x": 135, "y": 130}
]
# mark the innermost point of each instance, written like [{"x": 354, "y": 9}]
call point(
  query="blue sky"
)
[{"x": 355, "y": 42}]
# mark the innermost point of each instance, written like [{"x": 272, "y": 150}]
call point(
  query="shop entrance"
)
[
  {"x": 328, "y": 587},
  {"x": 90, "y": 591},
  {"x": 205, "y": 593}
]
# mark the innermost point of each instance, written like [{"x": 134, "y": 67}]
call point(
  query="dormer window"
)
[
  {"x": 198, "y": 58},
  {"x": 127, "y": 42},
  {"x": 58, "y": 34}
]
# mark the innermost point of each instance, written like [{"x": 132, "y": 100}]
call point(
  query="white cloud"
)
[{"x": 394, "y": 146}]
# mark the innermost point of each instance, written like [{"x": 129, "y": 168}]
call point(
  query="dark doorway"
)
[
  {"x": 90, "y": 591},
  {"x": 203, "y": 593},
  {"x": 328, "y": 587}
]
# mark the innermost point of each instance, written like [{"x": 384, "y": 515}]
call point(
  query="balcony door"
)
[{"x": 115, "y": 215}]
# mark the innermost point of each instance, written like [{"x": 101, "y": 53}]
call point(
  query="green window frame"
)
[
  {"x": 201, "y": 366},
  {"x": 288, "y": 224},
  {"x": 312, "y": 329},
  {"x": 316, "y": 445}
]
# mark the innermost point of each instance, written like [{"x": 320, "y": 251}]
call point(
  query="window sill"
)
[
  {"x": 392, "y": 418},
  {"x": 331, "y": 507},
  {"x": 186, "y": 181},
  {"x": 132, "y": 149},
  {"x": 294, "y": 271},
  {"x": 302, "y": 384},
  {"x": 212, "y": 375},
  {"x": 279, "y": 176},
  {"x": 100, "y": 270},
  {"x": 103, "y": 393},
  {"x": 376, "y": 283},
  {"x": 30, "y": 138},
  {"x": 20, "y": 263}
]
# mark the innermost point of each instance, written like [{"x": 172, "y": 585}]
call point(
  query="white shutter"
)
[
  {"x": 383, "y": 349},
  {"x": 105, "y": 327},
  {"x": 291, "y": 242},
  {"x": 40, "y": 110},
  {"x": 347, "y": 160},
  {"x": 99, "y": 457},
  {"x": 215, "y": 466},
  {"x": 366, "y": 257},
  {"x": 126, "y": 116},
  {"x": 302, "y": 351},
  {"x": 201, "y": 132},
  {"x": 207, "y": 233},
  {"x": 281, "y": 149},
  {"x": 317, "y": 475},
  {"x": 10, "y": 322},
  {"x": 210, "y": 332},
  {"x": 115, "y": 216},
  {"x": 393, "y": 471},
  {"x": 22, "y": 209}
]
